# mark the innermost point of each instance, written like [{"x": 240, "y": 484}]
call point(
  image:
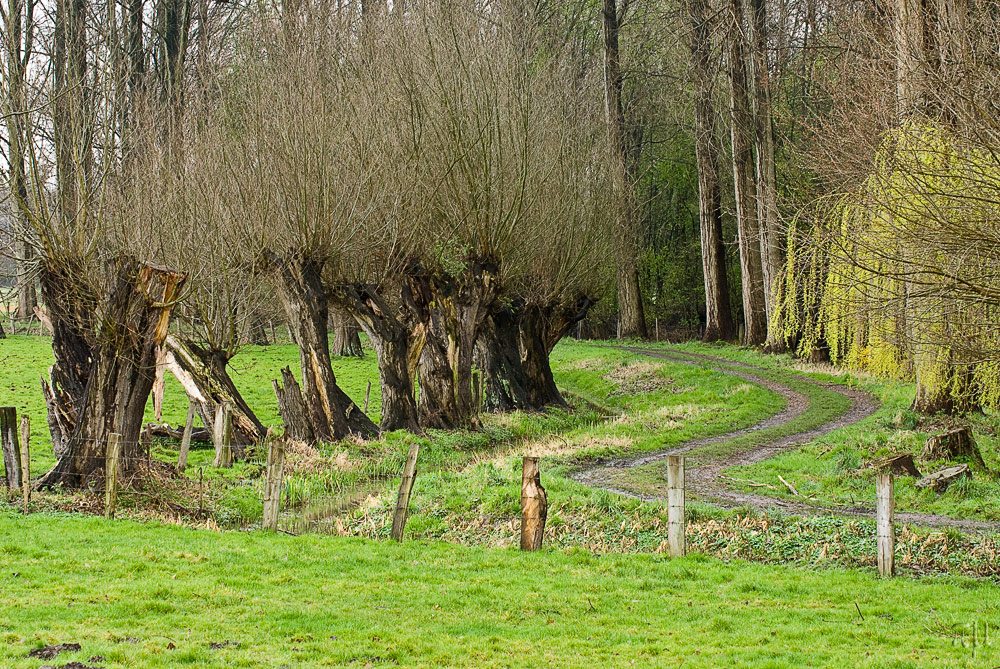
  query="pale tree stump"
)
[
  {"x": 402, "y": 511},
  {"x": 222, "y": 435},
  {"x": 534, "y": 505},
  {"x": 182, "y": 456}
]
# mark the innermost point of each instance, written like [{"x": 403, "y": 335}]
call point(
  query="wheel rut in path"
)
[{"x": 704, "y": 479}]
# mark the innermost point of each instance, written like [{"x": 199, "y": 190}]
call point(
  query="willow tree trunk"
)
[
  {"x": 205, "y": 378},
  {"x": 457, "y": 311},
  {"x": 742, "y": 134},
  {"x": 631, "y": 313},
  {"x": 718, "y": 311},
  {"x": 332, "y": 413},
  {"x": 103, "y": 371},
  {"x": 764, "y": 166},
  {"x": 498, "y": 355},
  {"x": 535, "y": 335},
  {"x": 346, "y": 338},
  {"x": 397, "y": 346}
]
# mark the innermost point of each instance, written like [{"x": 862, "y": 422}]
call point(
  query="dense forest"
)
[{"x": 468, "y": 182}]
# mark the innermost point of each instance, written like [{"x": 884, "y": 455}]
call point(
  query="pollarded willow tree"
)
[{"x": 307, "y": 145}]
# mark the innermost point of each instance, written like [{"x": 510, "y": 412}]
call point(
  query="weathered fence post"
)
[
  {"x": 182, "y": 456},
  {"x": 886, "y": 533},
  {"x": 272, "y": 487},
  {"x": 405, "y": 488},
  {"x": 11, "y": 450},
  {"x": 114, "y": 447},
  {"x": 25, "y": 461},
  {"x": 368, "y": 392},
  {"x": 675, "y": 505},
  {"x": 534, "y": 505},
  {"x": 222, "y": 435}
]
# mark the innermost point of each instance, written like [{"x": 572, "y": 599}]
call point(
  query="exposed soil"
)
[{"x": 703, "y": 476}]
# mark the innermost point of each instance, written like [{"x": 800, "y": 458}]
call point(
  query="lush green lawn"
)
[{"x": 152, "y": 595}]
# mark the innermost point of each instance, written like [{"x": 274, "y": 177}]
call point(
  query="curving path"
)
[{"x": 703, "y": 478}]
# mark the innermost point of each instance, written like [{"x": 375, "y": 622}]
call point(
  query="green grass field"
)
[
  {"x": 150, "y": 595},
  {"x": 778, "y": 592}
]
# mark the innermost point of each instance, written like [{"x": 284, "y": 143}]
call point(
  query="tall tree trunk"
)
[
  {"x": 101, "y": 379},
  {"x": 72, "y": 116},
  {"x": 205, "y": 378},
  {"x": 14, "y": 107},
  {"x": 718, "y": 311},
  {"x": 633, "y": 318},
  {"x": 767, "y": 186},
  {"x": 333, "y": 414},
  {"x": 742, "y": 133}
]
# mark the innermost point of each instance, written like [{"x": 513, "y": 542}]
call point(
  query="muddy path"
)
[{"x": 704, "y": 476}]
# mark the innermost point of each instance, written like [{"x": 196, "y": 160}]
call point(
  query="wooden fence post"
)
[
  {"x": 272, "y": 487},
  {"x": 182, "y": 456},
  {"x": 676, "y": 523},
  {"x": 25, "y": 461},
  {"x": 368, "y": 392},
  {"x": 111, "y": 474},
  {"x": 405, "y": 488},
  {"x": 222, "y": 435},
  {"x": 534, "y": 505},
  {"x": 11, "y": 450},
  {"x": 886, "y": 533}
]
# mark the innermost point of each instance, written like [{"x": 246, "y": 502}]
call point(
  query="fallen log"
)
[
  {"x": 166, "y": 431},
  {"x": 940, "y": 480}
]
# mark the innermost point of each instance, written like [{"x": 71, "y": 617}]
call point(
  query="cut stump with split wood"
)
[
  {"x": 940, "y": 480},
  {"x": 534, "y": 505}
]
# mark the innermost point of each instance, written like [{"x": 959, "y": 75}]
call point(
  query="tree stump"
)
[
  {"x": 900, "y": 463},
  {"x": 534, "y": 506},
  {"x": 222, "y": 435},
  {"x": 956, "y": 443},
  {"x": 942, "y": 479},
  {"x": 292, "y": 408}
]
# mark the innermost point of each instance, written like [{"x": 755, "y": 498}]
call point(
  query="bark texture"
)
[
  {"x": 498, "y": 355},
  {"x": 718, "y": 311},
  {"x": 101, "y": 379},
  {"x": 332, "y": 414},
  {"x": 742, "y": 134},
  {"x": 631, "y": 312}
]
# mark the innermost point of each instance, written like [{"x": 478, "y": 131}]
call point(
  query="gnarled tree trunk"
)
[
  {"x": 459, "y": 307},
  {"x": 498, "y": 355},
  {"x": 105, "y": 360},
  {"x": 396, "y": 345},
  {"x": 203, "y": 375},
  {"x": 332, "y": 414}
]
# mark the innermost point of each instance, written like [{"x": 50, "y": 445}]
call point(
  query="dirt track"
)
[{"x": 704, "y": 480}]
